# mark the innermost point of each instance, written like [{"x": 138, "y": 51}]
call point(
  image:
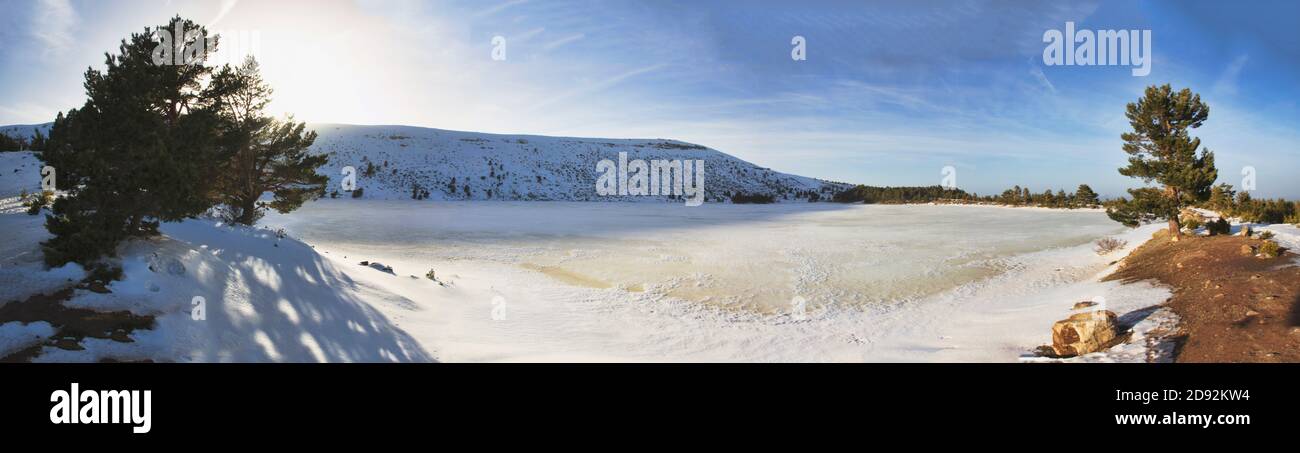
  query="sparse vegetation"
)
[
  {"x": 1084, "y": 197},
  {"x": 1218, "y": 227},
  {"x": 1269, "y": 249},
  {"x": 37, "y": 201},
  {"x": 1106, "y": 245},
  {"x": 740, "y": 198}
]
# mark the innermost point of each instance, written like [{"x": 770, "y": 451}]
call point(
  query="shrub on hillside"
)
[
  {"x": 1269, "y": 249},
  {"x": 741, "y": 198},
  {"x": 1218, "y": 227},
  {"x": 37, "y": 201},
  {"x": 1266, "y": 235},
  {"x": 1109, "y": 244}
]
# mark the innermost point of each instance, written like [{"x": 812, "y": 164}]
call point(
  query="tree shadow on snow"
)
[{"x": 293, "y": 308}]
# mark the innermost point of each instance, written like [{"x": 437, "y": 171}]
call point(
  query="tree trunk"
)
[
  {"x": 247, "y": 211},
  {"x": 1175, "y": 230}
]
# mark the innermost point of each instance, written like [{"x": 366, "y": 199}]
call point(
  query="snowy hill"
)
[
  {"x": 454, "y": 165},
  {"x": 25, "y": 130}
]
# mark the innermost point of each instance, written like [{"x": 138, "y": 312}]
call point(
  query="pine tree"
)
[
  {"x": 1221, "y": 198},
  {"x": 1086, "y": 197},
  {"x": 266, "y": 155},
  {"x": 141, "y": 150},
  {"x": 1162, "y": 151},
  {"x": 38, "y": 141}
]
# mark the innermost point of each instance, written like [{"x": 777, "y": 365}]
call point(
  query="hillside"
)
[{"x": 454, "y": 165}]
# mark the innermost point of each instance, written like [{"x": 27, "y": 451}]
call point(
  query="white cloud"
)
[
  {"x": 53, "y": 22},
  {"x": 562, "y": 41},
  {"x": 599, "y": 85},
  {"x": 498, "y": 8}
]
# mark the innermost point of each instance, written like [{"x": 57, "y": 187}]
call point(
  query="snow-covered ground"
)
[
  {"x": 262, "y": 299},
  {"x": 265, "y": 298},
  {"x": 573, "y": 281},
  {"x": 21, "y": 265},
  {"x": 636, "y": 282}
]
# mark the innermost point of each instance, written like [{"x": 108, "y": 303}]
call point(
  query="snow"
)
[
  {"x": 14, "y": 336},
  {"x": 569, "y": 281},
  {"x": 19, "y": 171},
  {"x": 634, "y": 282},
  {"x": 523, "y": 167},
  {"x": 22, "y": 272},
  {"x": 264, "y": 299},
  {"x": 1287, "y": 236}
]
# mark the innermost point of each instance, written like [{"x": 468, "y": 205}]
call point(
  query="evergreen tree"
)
[
  {"x": 8, "y": 143},
  {"x": 1221, "y": 198},
  {"x": 141, "y": 150},
  {"x": 38, "y": 140},
  {"x": 1085, "y": 197},
  {"x": 1162, "y": 151},
  {"x": 266, "y": 155}
]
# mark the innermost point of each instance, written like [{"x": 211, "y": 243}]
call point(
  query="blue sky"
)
[{"x": 890, "y": 93}]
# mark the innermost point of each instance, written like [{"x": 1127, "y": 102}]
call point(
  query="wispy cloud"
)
[
  {"x": 53, "y": 24},
  {"x": 1038, "y": 74},
  {"x": 226, "y": 6},
  {"x": 598, "y": 85},
  {"x": 1227, "y": 83},
  {"x": 562, "y": 41},
  {"x": 498, "y": 8}
]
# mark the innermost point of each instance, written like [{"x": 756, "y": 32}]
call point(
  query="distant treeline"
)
[
  {"x": 1084, "y": 197},
  {"x": 1224, "y": 200},
  {"x": 20, "y": 143}
]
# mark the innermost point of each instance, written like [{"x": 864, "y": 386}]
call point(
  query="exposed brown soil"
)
[
  {"x": 1234, "y": 307},
  {"x": 71, "y": 324}
]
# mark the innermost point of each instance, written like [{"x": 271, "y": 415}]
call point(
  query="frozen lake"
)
[
  {"x": 753, "y": 257},
  {"x": 662, "y": 281}
]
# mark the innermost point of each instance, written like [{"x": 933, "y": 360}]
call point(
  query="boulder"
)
[
  {"x": 170, "y": 265},
  {"x": 1083, "y": 333}
]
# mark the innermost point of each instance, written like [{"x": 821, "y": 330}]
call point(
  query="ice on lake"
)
[{"x": 749, "y": 257}]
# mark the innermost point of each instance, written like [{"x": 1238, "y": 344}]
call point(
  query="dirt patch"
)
[
  {"x": 71, "y": 325},
  {"x": 1234, "y": 307}
]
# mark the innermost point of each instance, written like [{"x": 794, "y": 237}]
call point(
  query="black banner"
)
[{"x": 408, "y": 401}]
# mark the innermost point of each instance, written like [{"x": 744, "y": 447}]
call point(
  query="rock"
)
[
  {"x": 1084, "y": 304},
  {"x": 381, "y": 267},
  {"x": 169, "y": 265},
  {"x": 1083, "y": 333},
  {"x": 431, "y": 275},
  {"x": 1245, "y": 231},
  {"x": 98, "y": 287},
  {"x": 1247, "y": 250}
]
